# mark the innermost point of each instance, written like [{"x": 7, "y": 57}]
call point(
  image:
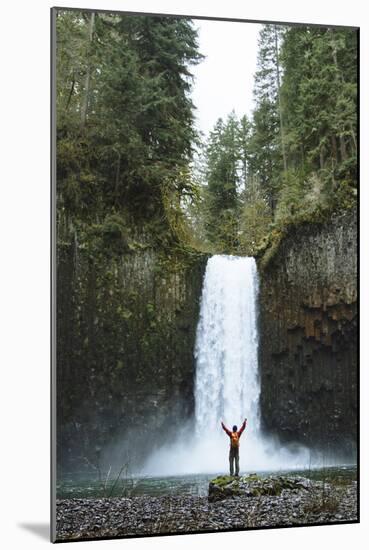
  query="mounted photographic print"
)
[{"x": 204, "y": 321}]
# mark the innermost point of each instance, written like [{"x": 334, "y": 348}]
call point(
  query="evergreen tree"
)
[
  {"x": 223, "y": 178},
  {"x": 319, "y": 98},
  {"x": 245, "y": 128},
  {"x": 255, "y": 217},
  {"x": 267, "y": 144},
  {"x": 125, "y": 127}
]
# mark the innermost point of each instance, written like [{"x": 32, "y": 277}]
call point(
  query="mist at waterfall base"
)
[{"x": 226, "y": 383}]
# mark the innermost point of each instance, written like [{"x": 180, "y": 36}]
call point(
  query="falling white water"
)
[{"x": 226, "y": 383}]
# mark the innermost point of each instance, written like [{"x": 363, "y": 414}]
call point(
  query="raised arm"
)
[
  {"x": 226, "y": 430},
  {"x": 242, "y": 427}
]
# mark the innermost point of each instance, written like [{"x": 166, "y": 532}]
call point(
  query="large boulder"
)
[{"x": 253, "y": 486}]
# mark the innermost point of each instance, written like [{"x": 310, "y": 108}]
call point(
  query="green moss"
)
[
  {"x": 270, "y": 245},
  {"x": 251, "y": 477},
  {"x": 270, "y": 252},
  {"x": 222, "y": 481}
]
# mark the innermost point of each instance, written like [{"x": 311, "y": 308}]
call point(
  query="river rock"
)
[
  {"x": 148, "y": 515},
  {"x": 254, "y": 486}
]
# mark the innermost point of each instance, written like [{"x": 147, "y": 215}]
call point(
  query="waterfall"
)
[
  {"x": 226, "y": 381},
  {"x": 227, "y": 384}
]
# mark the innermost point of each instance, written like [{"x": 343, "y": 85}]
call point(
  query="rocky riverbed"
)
[{"x": 249, "y": 504}]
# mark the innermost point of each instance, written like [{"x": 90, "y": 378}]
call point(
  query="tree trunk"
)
[
  {"x": 71, "y": 92},
  {"x": 353, "y": 136},
  {"x": 244, "y": 169},
  {"x": 334, "y": 149},
  {"x": 343, "y": 148},
  {"x": 279, "y": 99},
  {"x": 340, "y": 79},
  {"x": 88, "y": 74},
  {"x": 117, "y": 177},
  {"x": 321, "y": 159}
]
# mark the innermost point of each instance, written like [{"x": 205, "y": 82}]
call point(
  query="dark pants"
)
[{"x": 234, "y": 457}]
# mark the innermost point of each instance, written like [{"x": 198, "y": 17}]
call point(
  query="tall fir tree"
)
[
  {"x": 267, "y": 145},
  {"x": 125, "y": 115},
  {"x": 319, "y": 98},
  {"x": 223, "y": 178}
]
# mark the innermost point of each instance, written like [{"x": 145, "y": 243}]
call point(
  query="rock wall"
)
[
  {"x": 125, "y": 337},
  {"x": 308, "y": 337}
]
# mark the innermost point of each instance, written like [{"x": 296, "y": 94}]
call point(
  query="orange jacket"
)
[{"x": 228, "y": 432}]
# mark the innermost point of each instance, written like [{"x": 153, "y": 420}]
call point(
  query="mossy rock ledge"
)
[{"x": 252, "y": 485}]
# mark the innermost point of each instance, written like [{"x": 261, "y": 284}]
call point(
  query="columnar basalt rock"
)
[
  {"x": 308, "y": 337},
  {"x": 125, "y": 353}
]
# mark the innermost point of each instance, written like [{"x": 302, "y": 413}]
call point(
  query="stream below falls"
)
[{"x": 87, "y": 486}]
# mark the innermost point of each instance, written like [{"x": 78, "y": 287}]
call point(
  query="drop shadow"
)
[{"x": 40, "y": 529}]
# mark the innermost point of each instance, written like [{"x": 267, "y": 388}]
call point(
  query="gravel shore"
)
[{"x": 147, "y": 515}]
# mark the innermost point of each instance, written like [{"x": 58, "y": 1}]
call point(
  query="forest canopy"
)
[{"x": 129, "y": 159}]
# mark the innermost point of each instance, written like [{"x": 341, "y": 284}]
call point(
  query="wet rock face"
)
[
  {"x": 308, "y": 344},
  {"x": 125, "y": 366}
]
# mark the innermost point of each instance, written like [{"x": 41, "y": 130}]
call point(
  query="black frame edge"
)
[{"x": 53, "y": 12}]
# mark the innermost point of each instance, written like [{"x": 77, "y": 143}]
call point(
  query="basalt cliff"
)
[{"x": 308, "y": 337}]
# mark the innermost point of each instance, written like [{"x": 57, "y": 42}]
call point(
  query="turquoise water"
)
[{"x": 87, "y": 486}]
